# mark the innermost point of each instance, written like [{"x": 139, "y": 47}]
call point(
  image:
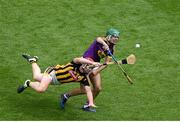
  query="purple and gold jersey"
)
[{"x": 96, "y": 51}]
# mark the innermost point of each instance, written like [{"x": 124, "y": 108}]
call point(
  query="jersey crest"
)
[{"x": 101, "y": 54}]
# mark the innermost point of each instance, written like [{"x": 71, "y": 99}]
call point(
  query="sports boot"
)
[
  {"x": 88, "y": 108},
  {"x": 63, "y": 100},
  {"x": 21, "y": 88},
  {"x": 30, "y": 59}
]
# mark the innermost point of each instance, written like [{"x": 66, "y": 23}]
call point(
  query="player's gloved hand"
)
[{"x": 109, "y": 52}]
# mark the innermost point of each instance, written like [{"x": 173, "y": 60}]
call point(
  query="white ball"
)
[{"x": 138, "y": 45}]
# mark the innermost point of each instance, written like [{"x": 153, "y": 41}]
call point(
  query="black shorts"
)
[{"x": 85, "y": 82}]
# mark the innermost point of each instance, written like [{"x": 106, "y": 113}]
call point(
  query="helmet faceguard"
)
[{"x": 112, "y": 33}]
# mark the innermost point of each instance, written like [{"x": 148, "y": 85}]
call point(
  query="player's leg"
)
[
  {"x": 90, "y": 106},
  {"x": 89, "y": 95},
  {"x": 42, "y": 85},
  {"x": 64, "y": 97},
  {"x": 37, "y": 86},
  {"x": 75, "y": 92},
  {"x": 96, "y": 82},
  {"x": 37, "y": 75},
  {"x": 35, "y": 68}
]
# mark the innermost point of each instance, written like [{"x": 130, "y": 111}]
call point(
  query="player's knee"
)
[
  {"x": 35, "y": 77},
  {"x": 82, "y": 91},
  {"x": 98, "y": 89}
]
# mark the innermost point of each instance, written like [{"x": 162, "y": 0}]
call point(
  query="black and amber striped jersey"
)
[{"x": 70, "y": 73}]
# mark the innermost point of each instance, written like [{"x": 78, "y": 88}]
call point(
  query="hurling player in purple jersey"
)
[{"x": 97, "y": 51}]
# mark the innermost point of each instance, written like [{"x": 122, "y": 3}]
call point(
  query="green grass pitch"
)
[{"x": 59, "y": 30}]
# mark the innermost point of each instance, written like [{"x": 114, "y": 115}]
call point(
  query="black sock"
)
[
  {"x": 124, "y": 61},
  {"x": 28, "y": 83},
  {"x": 68, "y": 95}
]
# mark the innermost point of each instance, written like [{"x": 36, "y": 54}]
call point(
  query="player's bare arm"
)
[
  {"x": 101, "y": 41},
  {"x": 81, "y": 60}
]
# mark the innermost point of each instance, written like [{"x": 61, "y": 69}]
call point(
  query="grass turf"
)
[{"x": 58, "y": 31}]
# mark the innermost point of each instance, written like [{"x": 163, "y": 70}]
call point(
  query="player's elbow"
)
[
  {"x": 77, "y": 60},
  {"x": 99, "y": 39}
]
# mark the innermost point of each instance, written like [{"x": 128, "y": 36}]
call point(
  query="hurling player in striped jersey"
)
[{"x": 74, "y": 71}]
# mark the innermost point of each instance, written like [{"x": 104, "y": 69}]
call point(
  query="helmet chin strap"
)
[{"x": 109, "y": 39}]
